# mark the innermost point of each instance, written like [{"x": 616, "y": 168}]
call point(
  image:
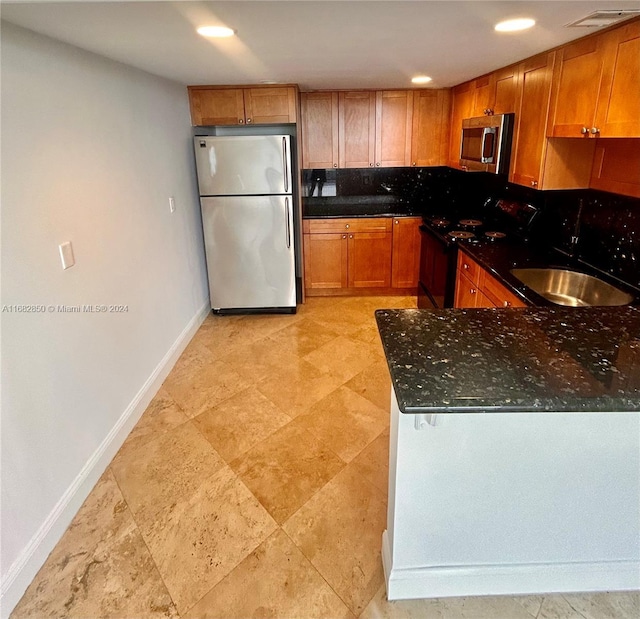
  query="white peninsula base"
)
[{"x": 512, "y": 503}]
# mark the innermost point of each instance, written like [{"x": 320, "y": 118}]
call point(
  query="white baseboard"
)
[
  {"x": 33, "y": 556},
  {"x": 508, "y": 579}
]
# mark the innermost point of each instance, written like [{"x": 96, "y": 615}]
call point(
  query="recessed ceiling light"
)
[
  {"x": 216, "y": 31},
  {"x": 513, "y": 25},
  {"x": 421, "y": 79}
]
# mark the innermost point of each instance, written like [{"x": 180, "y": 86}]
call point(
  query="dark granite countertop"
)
[
  {"x": 513, "y": 360},
  {"x": 359, "y": 206}
]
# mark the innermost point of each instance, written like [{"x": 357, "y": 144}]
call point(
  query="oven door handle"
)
[{"x": 488, "y": 145}]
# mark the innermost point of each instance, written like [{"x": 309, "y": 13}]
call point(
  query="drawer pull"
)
[
  {"x": 465, "y": 266},
  {"x": 506, "y": 304},
  {"x": 472, "y": 291},
  {"x": 346, "y": 226}
]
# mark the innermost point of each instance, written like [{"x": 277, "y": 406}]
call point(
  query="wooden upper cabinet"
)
[
  {"x": 576, "y": 85},
  {"x": 216, "y": 106},
  {"x": 483, "y": 95},
  {"x": 319, "y": 129},
  {"x": 394, "y": 116},
  {"x": 220, "y": 105},
  {"x": 531, "y": 119},
  {"x": 356, "y": 129},
  {"x": 430, "y": 133},
  {"x": 462, "y": 101},
  {"x": 275, "y": 105},
  {"x": 618, "y": 111},
  {"x": 505, "y": 90}
]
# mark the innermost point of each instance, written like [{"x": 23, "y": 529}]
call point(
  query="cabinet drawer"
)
[
  {"x": 501, "y": 296},
  {"x": 352, "y": 224},
  {"x": 470, "y": 269}
]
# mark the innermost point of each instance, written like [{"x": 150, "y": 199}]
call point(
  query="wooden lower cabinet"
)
[
  {"x": 359, "y": 255},
  {"x": 475, "y": 287}
]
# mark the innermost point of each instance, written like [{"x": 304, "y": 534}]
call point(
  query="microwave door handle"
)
[{"x": 488, "y": 134}]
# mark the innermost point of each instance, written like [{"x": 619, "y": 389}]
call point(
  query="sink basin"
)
[{"x": 572, "y": 288}]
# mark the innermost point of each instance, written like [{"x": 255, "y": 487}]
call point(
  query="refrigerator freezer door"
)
[
  {"x": 249, "y": 246},
  {"x": 243, "y": 165}
]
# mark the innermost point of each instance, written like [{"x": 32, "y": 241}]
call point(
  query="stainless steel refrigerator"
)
[{"x": 246, "y": 197}]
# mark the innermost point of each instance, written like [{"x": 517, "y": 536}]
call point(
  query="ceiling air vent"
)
[{"x": 600, "y": 19}]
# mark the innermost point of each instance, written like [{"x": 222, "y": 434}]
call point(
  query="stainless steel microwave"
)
[{"x": 485, "y": 144}]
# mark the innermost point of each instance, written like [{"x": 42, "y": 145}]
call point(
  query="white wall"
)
[{"x": 91, "y": 152}]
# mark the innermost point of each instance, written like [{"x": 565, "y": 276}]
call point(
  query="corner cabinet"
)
[
  {"x": 224, "y": 105},
  {"x": 475, "y": 287},
  {"x": 378, "y": 255}
]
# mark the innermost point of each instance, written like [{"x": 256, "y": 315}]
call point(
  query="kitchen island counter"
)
[
  {"x": 532, "y": 359},
  {"x": 542, "y": 493}
]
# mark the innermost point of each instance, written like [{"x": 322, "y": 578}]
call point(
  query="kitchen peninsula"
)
[{"x": 514, "y": 451}]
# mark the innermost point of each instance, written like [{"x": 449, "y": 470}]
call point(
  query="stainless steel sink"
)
[{"x": 572, "y": 288}]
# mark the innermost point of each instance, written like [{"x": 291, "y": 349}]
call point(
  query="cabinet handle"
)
[
  {"x": 465, "y": 266},
  {"x": 335, "y": 165},
  {"x": 241, "y": 121},
  {"x": 595, "y": 130},
  {"x": 351, "y": 236},
  {"x": 347, "y": 226},
  {"x": 472, "y": 291},
  {"x": 248, "y": 120},
  {"x": 344, "y": 236},
  {"x": 396, "y": 222},
  {"x": 534, "y": 183},
  {"x": 584, "y": 130},
  {"x": 378, "y": 164},
  {"x": 370, "y": 165},
  {"x": 413, "y": 163},
  {"x": 506, "y": 304}
]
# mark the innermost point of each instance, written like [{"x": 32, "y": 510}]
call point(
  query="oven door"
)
[{"x": 437, "y": 271}]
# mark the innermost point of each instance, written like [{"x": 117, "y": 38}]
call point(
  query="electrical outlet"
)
[
  {"x": 172, "y": 204},
  {"x": 66, "y": 254}
]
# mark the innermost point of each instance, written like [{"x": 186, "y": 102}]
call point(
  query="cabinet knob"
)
[
  {"x": 241, "y": 121},
  {"x": 396, "y": 222},
  {"x": 370, "y": 165},
  {"x": 584, "y": 130},
  {"x": 378, "y": 164},
  {"x": 351, "y": 236},
  {"x": 595, "y": 130},
  {"x": 534, "y": 183},
  {"x": 335, "y": 165},
  {"x": 347, "y": 226},
  {"x": 465, "y": 266},
  {"x": 472, "y": 291},
  {"x": 248, "y": 120},
  {"x": 344, "y": 236},
  {"x": 506, "y": 304},
  {"x": 413, "y": 163}
]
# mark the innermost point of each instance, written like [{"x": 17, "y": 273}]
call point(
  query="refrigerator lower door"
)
[{"x": 249, "y": 244}]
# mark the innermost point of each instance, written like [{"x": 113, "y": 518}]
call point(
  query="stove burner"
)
[
  {"x": 440, "y": 223},
  {"x": 494, "y": 236},
  {"x": 470, "y": 223},
  {"x": 461, "y": 235}
]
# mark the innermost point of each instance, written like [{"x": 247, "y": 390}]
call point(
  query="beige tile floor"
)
[{"x": 255, "y": 486}]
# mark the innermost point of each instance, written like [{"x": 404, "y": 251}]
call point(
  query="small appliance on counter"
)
[
  {"x": 246, "y": 197},
  {"x": 499, "y": 221}
]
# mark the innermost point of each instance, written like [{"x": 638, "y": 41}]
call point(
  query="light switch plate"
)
[{"x": 66, "y": 254}]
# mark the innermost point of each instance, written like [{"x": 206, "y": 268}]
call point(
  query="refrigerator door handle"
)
[
  {"x": 285, "y": 162},
  {"x": 288, "y": 227}
]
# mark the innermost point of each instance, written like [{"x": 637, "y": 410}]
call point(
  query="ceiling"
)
[{"x": 318, "y": 44}]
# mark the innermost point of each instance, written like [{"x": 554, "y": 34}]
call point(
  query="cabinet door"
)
[
  {"x": 533, "y": 105},
  {"x": 405, "y": 262},
  {"x": 461, "y": 108},
  {"x": 483, "y": 95},
  {"x": 429, "y": 136},
  {"x": 216, "y": 106},
  {"x": 394, "y": 116},
  {"x": 270, "y": 105},
  {"x": 319, "y": 130},
  {"x": 325, "y": 261},
  {"x": 357, "y": 129},
  {"x": 369, "y": 260},
  {"x": 618, "y": 113},
  {"x": 505, "y": 89},
  {"x": 499, "y": 295},
  {"x": 576, "y": 83},
  {"x": 467, "y": 294}
]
